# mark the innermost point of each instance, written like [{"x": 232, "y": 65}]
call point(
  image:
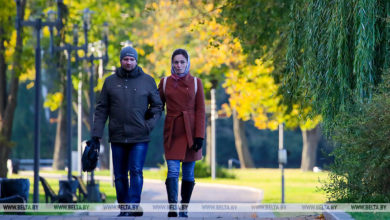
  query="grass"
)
[
  {"x": 370, "y": 215},
  {"x": 300, "y": 187}
]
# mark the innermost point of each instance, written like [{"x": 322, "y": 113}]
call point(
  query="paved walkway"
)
[{"x": 205, "y": 217}]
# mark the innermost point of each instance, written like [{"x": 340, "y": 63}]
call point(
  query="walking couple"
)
[{"x": 133, "y": 104}]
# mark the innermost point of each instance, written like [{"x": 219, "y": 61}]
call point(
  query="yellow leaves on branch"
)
[
  {"x": 10, "y": 48},
  {"x": 190, "y": 25},
  {"x": 53, "y": 101},
  {"x": 28, "y": 75},
  {"x": 253, "y": 94},
  {"x": 302, "y": 118}
]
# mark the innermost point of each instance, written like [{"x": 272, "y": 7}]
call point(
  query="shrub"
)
[
  {"x": 361, "y": 168},
  {"x": 202, "y": 170}
]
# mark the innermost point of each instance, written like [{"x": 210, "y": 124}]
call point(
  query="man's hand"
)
[{"x": 198, "y": 143}]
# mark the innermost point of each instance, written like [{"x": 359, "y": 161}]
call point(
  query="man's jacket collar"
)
[{"x": 137, "y": 71}]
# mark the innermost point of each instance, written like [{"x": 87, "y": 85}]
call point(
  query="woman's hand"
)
[{"x": 198, "y": 143}]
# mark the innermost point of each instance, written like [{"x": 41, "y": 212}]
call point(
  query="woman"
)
[{"x": 184, "y": 128}]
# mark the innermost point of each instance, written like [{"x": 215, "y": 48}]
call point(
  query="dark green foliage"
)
[
  {"x": 258, "y": 23},
  {"x": 336, "y": 54},
  {"x": 23, "y": 127},
  {"x": 261, "y": 26},
  {"x": 202, "y": 169},
  {"x": 360, "y": 172}
]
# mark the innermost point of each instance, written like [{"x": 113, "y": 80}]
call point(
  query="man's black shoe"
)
[
  {"x": 123, "y": 214},
  {"x": 137, "y": 211}
]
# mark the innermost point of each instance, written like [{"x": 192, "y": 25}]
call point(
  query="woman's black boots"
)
[
  {"x": 172, "y": 187},
  {"x": 186, "y": 192}
]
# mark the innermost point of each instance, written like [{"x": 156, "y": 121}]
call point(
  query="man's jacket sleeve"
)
[
  {"x": 200, "y": 112},
  {"x": 101, "y": 112},
  {"x": 155, "y": 107}
]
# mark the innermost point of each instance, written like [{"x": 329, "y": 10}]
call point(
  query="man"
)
[{"x": 131, "y": 101}]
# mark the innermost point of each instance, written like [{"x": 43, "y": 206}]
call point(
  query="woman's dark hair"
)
[{"x": 179, "y": 51}]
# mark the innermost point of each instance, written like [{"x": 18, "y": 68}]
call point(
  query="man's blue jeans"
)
[
  {"x": 125, "y": 158},
  {"x": 187, "y": 170}
]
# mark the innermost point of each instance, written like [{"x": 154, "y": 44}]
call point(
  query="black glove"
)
[
  {"x": 149, "y": 114},
  {"x": 198, "y": 143},
  {"x": 91, "y": 154},
  {"x": 94, "y": 143}
]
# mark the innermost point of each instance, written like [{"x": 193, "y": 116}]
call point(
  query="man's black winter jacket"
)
[{"x": 132, "y": 103}]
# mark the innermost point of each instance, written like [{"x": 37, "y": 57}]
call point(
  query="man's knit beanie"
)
[{"x": 128, "y": 51}]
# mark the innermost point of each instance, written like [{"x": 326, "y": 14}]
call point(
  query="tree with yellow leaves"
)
[
  {"x": 11, "y": 66},
  {"x": 253, "y": 95}
]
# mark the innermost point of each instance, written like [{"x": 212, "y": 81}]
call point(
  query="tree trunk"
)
[
  {"x": 60, "y": 141},
  {"x": 241, "y": 143},
  {"x": 60, "y": 154},
  {"x": 3, "y": 69},
  {"x": 310, "y": 139},
  {"x": 208, "y": 140},
  {"x": 3, "y": 95},
  {"x": 9, "y": 100}
]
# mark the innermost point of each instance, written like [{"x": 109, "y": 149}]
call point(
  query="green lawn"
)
[
  {"x": 300, "y": 187},
  {"x": 370, "y": 215}
]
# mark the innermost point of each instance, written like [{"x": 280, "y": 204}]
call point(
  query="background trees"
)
[
  {"x": 192, "y": 25},
  {"x": 262, "y": 28},
  {"x": 240, "y": 45}
]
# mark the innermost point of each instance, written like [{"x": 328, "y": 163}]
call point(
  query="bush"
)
[
  {"x": 202, "y": 170},
  {"x": 361, "y": 168}
]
